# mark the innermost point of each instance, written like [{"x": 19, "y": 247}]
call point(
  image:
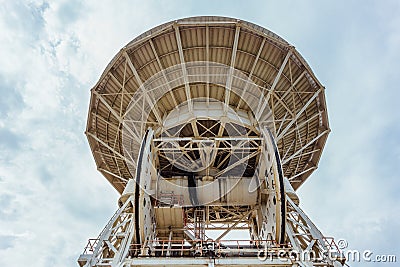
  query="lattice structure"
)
[
  {"x": 294, "y": 94},
  {"x": 207, "y": 126}
]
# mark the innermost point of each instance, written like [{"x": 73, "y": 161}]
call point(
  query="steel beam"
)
[
  {"x": 277, "y": 77},
  {"x": 298, "y": 115},
  {"x": 231, "y": 69},
  {"x": 184, "y": 72},
  {"x": 284, "y": 161}
]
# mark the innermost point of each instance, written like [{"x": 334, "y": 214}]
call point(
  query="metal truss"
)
[
  {"x": 132, "y": 238},
  {"x": 305, "y": 245},
  {"x": 206, "y": 137},
  {"x": 112, "y": 245},
  {"x": 289, "y": 89},
  {"x": 309, "y": 246}
]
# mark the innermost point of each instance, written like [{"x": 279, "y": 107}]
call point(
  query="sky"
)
[{"x": 52, "y": 53}]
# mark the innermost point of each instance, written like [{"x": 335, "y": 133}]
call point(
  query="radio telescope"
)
[{"x": 207, "y": 126}]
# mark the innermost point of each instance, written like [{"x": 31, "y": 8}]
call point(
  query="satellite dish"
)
[{"x": 203, "y": 124}]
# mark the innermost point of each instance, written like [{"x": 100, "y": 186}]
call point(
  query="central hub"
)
[
  {"x": 206, "y": 146},
  {"x": 210, "y": 141}
]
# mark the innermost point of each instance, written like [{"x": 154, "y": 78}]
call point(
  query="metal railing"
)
[
  {"x": 211, "y": 248},
  {"x": 205, "y": 248},
  {"x": 169, "y": 198}
]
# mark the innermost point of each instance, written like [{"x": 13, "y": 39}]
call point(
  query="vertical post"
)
[{"x": 169, "y": 243}]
